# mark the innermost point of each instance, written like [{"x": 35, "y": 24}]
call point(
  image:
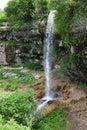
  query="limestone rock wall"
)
[
  {"x": 29, "y": 32},
  {"x": 7, "y": 54},
  {"x": 20, "y": 54},
  {"x": 28, "y": 39}
]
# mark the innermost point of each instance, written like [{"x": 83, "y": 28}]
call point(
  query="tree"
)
[
  {"x": 41, "y": 6},
  {"x": 20, "y": 10}
]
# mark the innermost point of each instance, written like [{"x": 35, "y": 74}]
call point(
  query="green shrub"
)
[
  {"x": 18, "y": 105},
  {"x": 11, "y": 125},
  {"x": 53, "y": 121}
]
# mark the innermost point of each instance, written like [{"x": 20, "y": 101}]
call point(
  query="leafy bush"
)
[
  {"x": 11, "y": 125},
  {"x": 53, "y": 121},
  {"x": 18, "y": 105}
]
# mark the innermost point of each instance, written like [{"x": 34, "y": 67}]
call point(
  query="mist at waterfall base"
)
[{"x": 48, "y": 60}]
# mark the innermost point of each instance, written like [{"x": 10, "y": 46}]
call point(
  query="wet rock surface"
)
[{"x": 73, "y": 97}]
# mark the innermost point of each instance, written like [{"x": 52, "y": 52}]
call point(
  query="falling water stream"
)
[{"x": 48, "y": 59}]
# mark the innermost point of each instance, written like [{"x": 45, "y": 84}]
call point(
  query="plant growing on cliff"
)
[
  {"x": 71, "y": 22},
  {"x": 68, "y": 12}
]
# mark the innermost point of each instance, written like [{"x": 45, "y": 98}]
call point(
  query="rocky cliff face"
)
[
  {"x": 78, "y": 51},
  {"x": 7, "y": 54},
  {"x": 28, "y": 39},
  {"x": 29, "y": 32},
  {"x": 79, "y": 29}
]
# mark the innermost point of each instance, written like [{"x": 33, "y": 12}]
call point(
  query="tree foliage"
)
[
  {"x": 20, "y": 10},
  {"x": 68, "y": 12},
  {"x": 2, "y": 16},
  {"x": 71, "y": 22},
  {"x": 41, "y": 6}
]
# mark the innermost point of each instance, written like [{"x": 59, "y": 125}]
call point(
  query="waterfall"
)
[
  {"x": 48, "y": 60},
  {"x": 48, "y": 54}
]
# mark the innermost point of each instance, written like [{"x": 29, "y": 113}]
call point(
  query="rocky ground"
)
[{"x": 71, "y": 95}]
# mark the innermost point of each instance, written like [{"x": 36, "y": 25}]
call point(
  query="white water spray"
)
[
  {"x": 48, "y": 59},
  {"x": 48, "y": 55}
]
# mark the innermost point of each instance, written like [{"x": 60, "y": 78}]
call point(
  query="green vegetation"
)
[
  {"x": 33, "y": 66},
  {"x": 9, "y": 80},
  {"x": 68, "y": 12},
  {"x": 8, "y": 85},
  {"x": 2, "y": 14},
  {"x": 56, "y": 120},
  {"x": 2, "y": 17},
  {"x": 8, "y": 42},
  {"x": 11, "y": 125},
  {"x": 41, "y": 6},
  {"x": 21, "y": 78},
  {"x": 20, "y": 10},
  {"x": 70, "y": 23},
  {"x": 18, "y": 105},
  {"x": 67, "y": 63},
  {"x": 1, "y": 74}
]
